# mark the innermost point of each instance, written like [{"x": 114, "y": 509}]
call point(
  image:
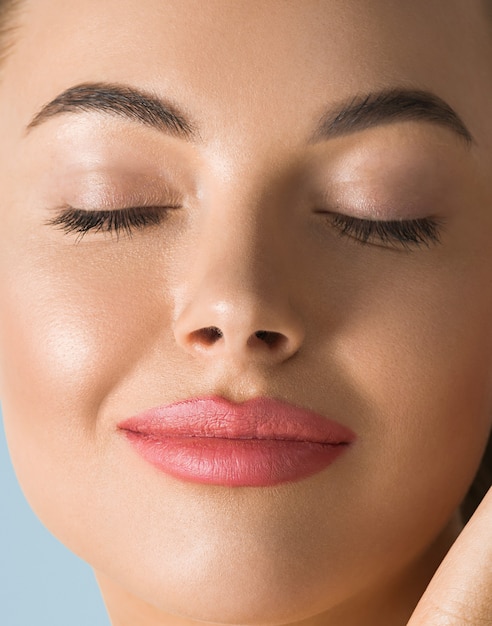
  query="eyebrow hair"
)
[
  {"x": 120, "y": 100},
  {"x": 357, "y": 114},
  {"x": 386, "y": 107}
]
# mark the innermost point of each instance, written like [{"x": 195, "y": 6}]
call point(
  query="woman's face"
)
[{"x": 389, "y": 338}]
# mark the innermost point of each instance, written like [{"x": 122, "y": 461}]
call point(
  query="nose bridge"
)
[
  {"x": 237, "y": 296},
  {"x": 239, "y": 258}
]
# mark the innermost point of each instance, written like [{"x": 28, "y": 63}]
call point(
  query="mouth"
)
[{"x": 258, "y": 443}]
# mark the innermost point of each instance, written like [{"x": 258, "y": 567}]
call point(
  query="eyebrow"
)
[
  {"x": 120, "y": 100},
  {"x": 386, "y": 107},
  {"x": 355, "y": 115}
]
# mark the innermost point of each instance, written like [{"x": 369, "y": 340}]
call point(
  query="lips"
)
[{"x": 258, "y": 443}]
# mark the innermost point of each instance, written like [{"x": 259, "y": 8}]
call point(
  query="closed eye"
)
[
  {"x": 393, "y": 233},
  {"x": 118, "y": 221}
]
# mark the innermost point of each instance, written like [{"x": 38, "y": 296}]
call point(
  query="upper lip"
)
[{"x": 258, "y": 418}]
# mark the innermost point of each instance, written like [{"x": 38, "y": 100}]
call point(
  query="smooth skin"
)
[{"x": 393, "y": 341}]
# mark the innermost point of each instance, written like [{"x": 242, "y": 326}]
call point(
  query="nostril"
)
[
  {"x": 270, "y": 338},
  {"x": 206, "y": 336}
]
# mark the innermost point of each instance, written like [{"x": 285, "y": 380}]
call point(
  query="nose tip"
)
[{"x": 232, "y": 337}]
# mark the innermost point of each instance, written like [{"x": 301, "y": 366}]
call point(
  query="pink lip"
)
[{"x": 257, "y": 443}]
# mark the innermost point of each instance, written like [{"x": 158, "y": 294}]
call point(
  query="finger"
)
[{"x": 460, "y": 593}]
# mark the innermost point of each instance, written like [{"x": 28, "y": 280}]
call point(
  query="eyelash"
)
[
  {"x": 393, "y": 233},
  {"x": 405, "y": 233},
  {"x": 121, "y": 221}
]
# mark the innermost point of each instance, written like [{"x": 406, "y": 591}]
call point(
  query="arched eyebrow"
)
[
  {"x": 354, "y": 115},
  {"x": 387, "y": 107},
  {"x": 121, "y": 100}
]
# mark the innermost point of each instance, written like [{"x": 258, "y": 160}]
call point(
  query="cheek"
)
[
  {"x": 60, "y": 340},
  {"x": 75, "y": 317},
  {"x": 422, "y": 366},
  {"x": 67, "y": 336}
]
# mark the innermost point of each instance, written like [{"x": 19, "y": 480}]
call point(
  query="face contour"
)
[{"x": 391, "y": 339}]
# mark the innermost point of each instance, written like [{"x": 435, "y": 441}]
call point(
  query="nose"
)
[{"x": 239, "y": 301}]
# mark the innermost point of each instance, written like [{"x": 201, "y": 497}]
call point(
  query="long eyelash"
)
[
  {"x": 118, "y": 221},
  {"x": 423, "y": 231},
  {"x": 405, "y": 233}
]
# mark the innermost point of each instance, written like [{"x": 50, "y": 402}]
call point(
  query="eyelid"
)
[
  {"x": 396, "y": 233},
  {"x": 122, "y": 220},
  {"x": 113, "y": 191}
]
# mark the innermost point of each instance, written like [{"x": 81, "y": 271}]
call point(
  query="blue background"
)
[{"x": 41, "y": 582}]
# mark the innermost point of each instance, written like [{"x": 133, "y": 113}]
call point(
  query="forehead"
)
[{"x": 252, "y": 64}]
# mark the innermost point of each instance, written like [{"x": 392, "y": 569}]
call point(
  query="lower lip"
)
[{"x": 235, "y": 462}]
